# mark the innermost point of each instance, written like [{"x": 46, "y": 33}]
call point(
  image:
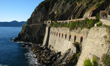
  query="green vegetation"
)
[
  {"x": 87, "y": 62},
  {"x": 95, "y": 62},
  {"x": 76, "y": 44},
  {"x": 98, "y": 0},
  {"x": 75, "y": 57},
  {"x": 66, "y": 0},
  {"x": 78, "y": 47},
  {"x": 87, "y": 23},
  {"x": 23, "y": 26},
  {"x": 106, "y": 59},
  {"x": 98, "y": 5},
  {"x": 57, "y": 24},
  {"x": 97, "y": 17},
  {"x": 69, "y": 49},
  {"x": 99, "y": 24},
  {"x": 105, "y": 37}
]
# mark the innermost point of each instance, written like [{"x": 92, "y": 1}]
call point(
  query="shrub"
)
[
  {"x": 76, "y": 44},
  {"x": 78, "y": 54},
  {"x": 95, "y": 62},
  {"x": 99, "y": 24},
  {"x": 98, "y": 5},
  {"x": 97, "y": 17},
  {"x": 64, "y": 24},
  {"x": 87, "y": 23},
  {"x": 87, "y": 62},
  {"x": 105, "y": 37},
  {"x": 99, "y": 0},
  {"x": 106, "y": 59},
  {"x": 69, "y": 49},
  {"x": 23, "y": 26}
]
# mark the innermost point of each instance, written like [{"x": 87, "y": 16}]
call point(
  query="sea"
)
[{"x": 12, "y": 53}]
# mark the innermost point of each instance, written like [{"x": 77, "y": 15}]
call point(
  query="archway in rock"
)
[
  {"x": 81, "y": 39},
  {"x": 62, "y": 35}
]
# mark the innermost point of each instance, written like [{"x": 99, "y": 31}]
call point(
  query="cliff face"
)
[{"x": 58, "y": 10}]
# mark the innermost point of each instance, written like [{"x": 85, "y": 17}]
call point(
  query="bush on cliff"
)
[
  {"x": 78, "y": 47},
  {"x": 95, "y": 62},
  {"x": 99, "y": 24},
  {"x": 106, "y": 59},
  {"x": 87, "y": 62}
]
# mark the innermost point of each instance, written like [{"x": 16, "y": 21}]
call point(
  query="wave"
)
[{"x": 32, "y": 58}]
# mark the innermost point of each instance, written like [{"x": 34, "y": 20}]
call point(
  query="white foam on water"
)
[{"x": 31, "y": 58}]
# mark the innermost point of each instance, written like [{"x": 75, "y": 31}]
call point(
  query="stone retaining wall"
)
[
  {"x": 62, "y": 39},
  {"x": 96, "y": 44}
]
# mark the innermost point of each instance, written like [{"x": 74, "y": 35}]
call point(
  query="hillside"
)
[
  {"x": 12, "y": 24},
  {"x": 59, "y": 10},
  {"x": 70, "y": 45}
]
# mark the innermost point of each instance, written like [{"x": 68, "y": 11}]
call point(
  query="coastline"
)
[
  {"x": 47, "y": 57},
  {"x": 30, "y": 55}
]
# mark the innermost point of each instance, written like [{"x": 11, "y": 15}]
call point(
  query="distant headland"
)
[{"x": 12, "y": 24}]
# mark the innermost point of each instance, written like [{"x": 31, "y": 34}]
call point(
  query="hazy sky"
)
[{"x": 19, "y": 10}]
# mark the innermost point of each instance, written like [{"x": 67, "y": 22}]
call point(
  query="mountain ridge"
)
[{"x": 12, "y": 24}]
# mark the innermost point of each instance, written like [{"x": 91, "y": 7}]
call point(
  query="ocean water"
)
[{"x": 12, "y": 53}]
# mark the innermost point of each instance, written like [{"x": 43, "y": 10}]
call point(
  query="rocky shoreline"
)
[{"x": 47, "y": 57}]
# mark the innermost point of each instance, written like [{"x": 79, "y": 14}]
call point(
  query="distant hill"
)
[{"x": 12, "y": 24}]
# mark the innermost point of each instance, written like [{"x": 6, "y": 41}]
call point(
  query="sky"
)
[{"x": 19, "y": 10}]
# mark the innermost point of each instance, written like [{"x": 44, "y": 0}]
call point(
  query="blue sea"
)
[{"x": 12, "y": 53}]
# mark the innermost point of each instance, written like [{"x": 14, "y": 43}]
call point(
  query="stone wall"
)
[
  {"x": 61, "y": 39},
  {"x": 96, "y": 44},
  {"x": 46, "y": 37}
]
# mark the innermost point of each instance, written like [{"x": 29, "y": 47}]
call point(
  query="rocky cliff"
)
[
  {"x": 58, "y": 10},
  {"x": 34, "y": 30}
]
